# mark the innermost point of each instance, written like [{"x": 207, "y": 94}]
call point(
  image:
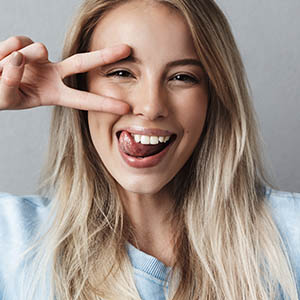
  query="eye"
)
[
  {"x": 185, "y": 78},
  {"x": 119, "y": 73}
]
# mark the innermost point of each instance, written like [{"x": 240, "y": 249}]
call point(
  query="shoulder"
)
[
  {"x": 20, "y": 219},
  {"x": 285, "y": 209},
  {"x": 21, "y": 213},
  {"x": 32, "y": 200}
]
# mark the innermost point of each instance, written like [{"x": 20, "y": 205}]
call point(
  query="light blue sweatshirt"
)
[{"x": 21, "y": 216}]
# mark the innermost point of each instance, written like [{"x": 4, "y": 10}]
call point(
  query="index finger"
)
[
  {"x": 88, "y": 101},
  {"x": 84, "y": 62}
]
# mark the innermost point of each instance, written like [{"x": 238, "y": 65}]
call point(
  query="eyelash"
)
[
  {"x": 117, "y": 74},
  {"x": 184, "y": 77}
]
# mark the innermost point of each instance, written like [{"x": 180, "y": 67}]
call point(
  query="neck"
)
[{"x": 149, "y": 216}]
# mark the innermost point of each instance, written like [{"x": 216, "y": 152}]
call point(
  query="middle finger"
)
[{"x": 84, "y": 62}]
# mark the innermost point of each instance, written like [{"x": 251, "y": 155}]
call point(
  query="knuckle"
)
[
  {"x": 103, "y": 58},
  {"x": 10, "y": 82},
  {"x": 15, "y": 42},
  {"x": 2, "y": 52},
  {"x": 81, "y": 100},
  {"x": 78, "y": 62},
  {"x": 80, "y": 106},
  {"x": 4, "y": 104},
  {"x": 1, "y": 47},
  {"x": 41, "y": 49},
  {"x": 25, "y": 39}
]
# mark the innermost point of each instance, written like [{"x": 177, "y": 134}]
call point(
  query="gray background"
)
[{"x": 268, "y": 34}]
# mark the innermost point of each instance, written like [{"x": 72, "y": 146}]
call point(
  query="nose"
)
[{"x": 150, "y": 101}]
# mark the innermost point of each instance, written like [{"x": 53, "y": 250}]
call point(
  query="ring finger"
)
[
  {"x": 32, "y": 53},
  {"x": 12, "y": 44}
]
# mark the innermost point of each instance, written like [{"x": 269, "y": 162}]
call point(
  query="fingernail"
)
[{"x": 16, "y": 59}]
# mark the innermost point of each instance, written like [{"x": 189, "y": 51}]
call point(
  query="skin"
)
[
  {"x": 28, "y": 79},
  {"x": 158, "y": 99}
]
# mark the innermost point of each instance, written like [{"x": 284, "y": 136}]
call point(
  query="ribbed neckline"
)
[{"x": 147, "y": 263}]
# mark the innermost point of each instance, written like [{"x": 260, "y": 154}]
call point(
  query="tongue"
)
[{"x": 129, "y": 146}]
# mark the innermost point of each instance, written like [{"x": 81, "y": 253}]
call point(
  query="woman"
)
[{"x": 154, "y": 187}]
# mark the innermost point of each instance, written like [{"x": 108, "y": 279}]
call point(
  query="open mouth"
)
[{"x": 139, "y": 146}]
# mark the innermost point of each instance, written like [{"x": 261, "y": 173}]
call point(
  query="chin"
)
[{"x": 138, "y": 187}]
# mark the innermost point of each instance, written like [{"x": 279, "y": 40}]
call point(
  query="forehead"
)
[{"x": 146, "y": 27}]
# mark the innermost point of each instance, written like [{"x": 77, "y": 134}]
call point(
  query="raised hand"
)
[{"x": 28, "y": 79}]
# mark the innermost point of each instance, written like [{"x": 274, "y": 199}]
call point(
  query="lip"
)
[{"x": 146, "y": 162}]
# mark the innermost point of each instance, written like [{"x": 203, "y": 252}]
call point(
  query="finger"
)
[
  {"x": 12, "y": 44},
  {"x": 10, "y": 80},
  {"x": 33, "y": 53},
  {"x": 88, "y": 101},
  {"x": 83, "y": 62}
]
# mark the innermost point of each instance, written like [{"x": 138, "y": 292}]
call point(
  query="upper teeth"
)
[{"x": 150, "y": 140}]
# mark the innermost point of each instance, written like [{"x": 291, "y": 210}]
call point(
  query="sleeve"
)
[
  {"x": 286, "y": 211},
  {"x": 19, "y": 220}
]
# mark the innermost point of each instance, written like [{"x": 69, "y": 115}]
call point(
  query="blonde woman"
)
[{"x": 154, "y": 186}]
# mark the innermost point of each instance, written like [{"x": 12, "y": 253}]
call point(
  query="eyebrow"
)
[
  {"x": 184, "y": 62},
  {"x": 175, "y": 63}
]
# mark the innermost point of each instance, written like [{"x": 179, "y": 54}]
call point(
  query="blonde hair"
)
[{"x": 228, "y": 245}]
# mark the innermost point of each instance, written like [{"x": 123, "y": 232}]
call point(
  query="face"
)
[{"x": 165, "y": 86}]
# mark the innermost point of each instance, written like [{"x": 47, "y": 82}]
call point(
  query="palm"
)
[{"x": 40, "y": 85}]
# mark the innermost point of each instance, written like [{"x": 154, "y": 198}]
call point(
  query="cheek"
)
[
  {"x": 94, "y": 121},
  {"x": 100, "y": 126},
  {"x": 94, "y": 127},
  {"x": 100, "y": 86},
  {"x": 192, "y": 112}
]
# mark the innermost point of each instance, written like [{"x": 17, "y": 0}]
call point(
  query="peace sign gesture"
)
[{"x": 28, "y": 79}]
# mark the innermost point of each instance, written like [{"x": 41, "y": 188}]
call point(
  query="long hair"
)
[{"x": 228, "y": 246}]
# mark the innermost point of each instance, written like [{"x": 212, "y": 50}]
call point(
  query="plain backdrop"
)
[{"x": 268, "y": 35}]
